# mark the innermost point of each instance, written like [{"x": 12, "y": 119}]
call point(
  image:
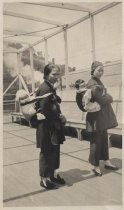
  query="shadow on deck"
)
[{"x": 21, "y": 177}]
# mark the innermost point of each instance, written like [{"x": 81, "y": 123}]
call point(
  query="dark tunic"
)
[
  {"x": 105, "y": 118},
  {"x": 49, "y": 133},
  {"x": 97, "y": 123}
]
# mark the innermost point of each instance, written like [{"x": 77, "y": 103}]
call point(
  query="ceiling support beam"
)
[
  {"x": 62, "y": 6},
  {"x": 19, "y": 33},
  {"x": 43, "y": 20},
  {"x": 108, "y": 6}
]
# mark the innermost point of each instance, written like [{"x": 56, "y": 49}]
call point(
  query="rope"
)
[{"x": 31, "y": 32}]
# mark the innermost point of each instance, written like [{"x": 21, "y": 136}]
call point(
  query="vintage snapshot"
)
[{"x": 62, "y": 104}]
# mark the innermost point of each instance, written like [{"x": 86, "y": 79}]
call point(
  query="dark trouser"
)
[
  {"x": 98, "y": 147},
  {"x": 49, "y": 161}
]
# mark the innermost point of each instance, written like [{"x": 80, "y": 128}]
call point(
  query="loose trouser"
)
[
  {"x": 48, "y": 162},
  {"x": 98, "y": 147}
]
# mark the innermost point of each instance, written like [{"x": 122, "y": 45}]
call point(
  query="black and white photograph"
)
[{"x": 61, "y": 104}]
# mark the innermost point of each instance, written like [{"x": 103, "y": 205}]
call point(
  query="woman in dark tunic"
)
[
  {"x": 50, "y": 133},
  {"x": 97, "y": 123}
]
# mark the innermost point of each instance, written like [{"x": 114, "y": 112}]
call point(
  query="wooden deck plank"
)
[
  {"x": 15, "y": 142},
  {"x": 82, "y": 187},
  {"x": 23, "y": 132},
  {"x": 7, "y": 135},
  {"x": 20, "y": 155},
  {"x": 21, "y": 176},
  {"x": 14, "y": 127}
]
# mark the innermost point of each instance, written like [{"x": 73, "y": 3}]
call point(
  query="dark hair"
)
[
  {"x": 47, "y": 69},
  {"x": 94, "y": 65},
  {"x": 78, "y": 82}
]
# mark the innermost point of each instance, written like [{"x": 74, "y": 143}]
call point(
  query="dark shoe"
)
[
  {"x": 49, "y": 185},
  {"x": 58, "y": 180},
  {"x": 111, "y": 167},
  {"x": 96, "y": 172}
]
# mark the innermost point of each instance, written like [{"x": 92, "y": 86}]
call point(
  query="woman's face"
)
[
  {"x": 53, "y": 76},
  {"x": 98, "y": 72}
]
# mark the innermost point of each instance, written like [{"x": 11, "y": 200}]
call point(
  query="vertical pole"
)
[
  {"x": 32, "y": 69},
  {"x": 119, "y": 97},
  {"x": 66, "y": 57},
  {"x": 92, "y": 37},
  {"x": 46, "y": 52},
  {"x": 19, "y": 68},
  {"x": 20, "y": 84}
]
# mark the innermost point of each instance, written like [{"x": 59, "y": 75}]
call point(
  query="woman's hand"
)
[
  {"x": 63, "y": 119},
  {"x": 40, "y": 116}
]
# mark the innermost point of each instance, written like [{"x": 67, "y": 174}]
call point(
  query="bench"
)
[
  {"x": 81, "y": 124},
  {"x": 17, "y": 115},
  {"x": 77, "y": 124}
]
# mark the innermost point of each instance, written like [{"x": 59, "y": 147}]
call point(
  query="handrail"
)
[
  {"x": 5, "y": 101},
  {"x": 116, "y": 100}
]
